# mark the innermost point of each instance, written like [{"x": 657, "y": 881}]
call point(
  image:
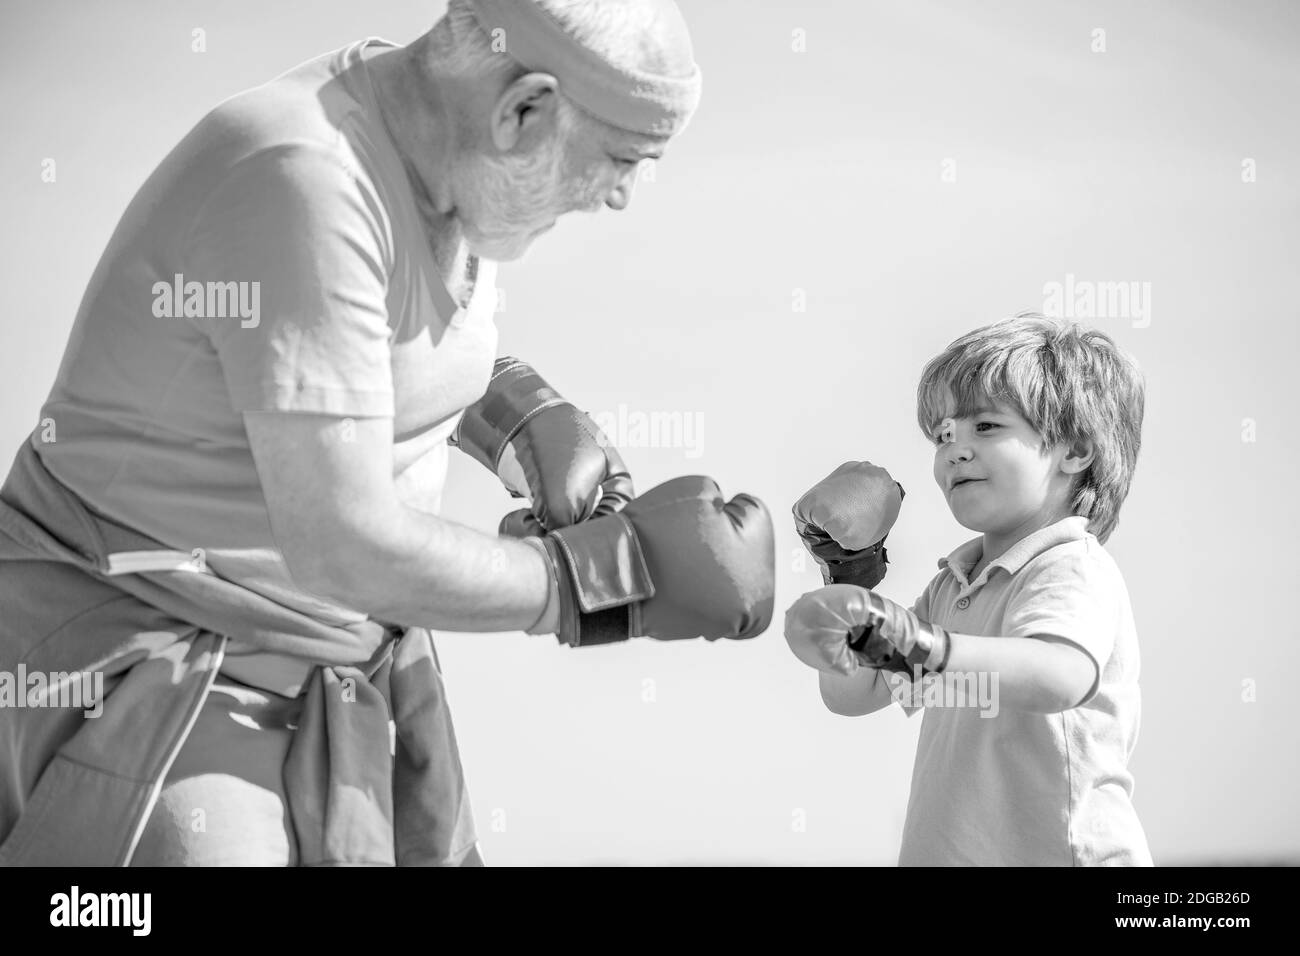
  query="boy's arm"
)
[
  {"x": 1059, "y": 627},
  {"x": 857, "y": 695},
  {"x": 1044, "y": 674},
  {"x": 1060, "y": 624}
]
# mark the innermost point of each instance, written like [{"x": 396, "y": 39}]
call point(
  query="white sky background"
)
[{"x": 817, "y": 171}]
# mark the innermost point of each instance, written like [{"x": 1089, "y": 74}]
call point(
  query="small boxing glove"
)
[
  {"x": 841, "y": 628},
  {"x": 892, "y": 631},
  {"x": 844, "y": 520}
]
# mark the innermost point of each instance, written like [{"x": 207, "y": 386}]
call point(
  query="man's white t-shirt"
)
[
  {"x": 291, "y": 196},
  {"x": 996, "y": 787}
]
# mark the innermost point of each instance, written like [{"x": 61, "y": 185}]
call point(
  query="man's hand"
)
[
  {"x": 677, "y": 563},
  {"x": 545, "y": 449},
  {"x": 844, "y": 520}
]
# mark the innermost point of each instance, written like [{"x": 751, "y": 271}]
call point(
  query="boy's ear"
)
[{"x": 1078, "y": 456}]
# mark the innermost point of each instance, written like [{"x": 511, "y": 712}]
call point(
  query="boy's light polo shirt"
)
[{"x": 1014, "y": 788}]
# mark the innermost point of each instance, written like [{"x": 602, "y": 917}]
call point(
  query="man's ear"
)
[
  {"x": 1078, "y": 457},
  {"x": 525, "y": 107}
]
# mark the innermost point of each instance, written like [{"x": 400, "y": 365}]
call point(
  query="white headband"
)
[{"x": 638, "y": 102}]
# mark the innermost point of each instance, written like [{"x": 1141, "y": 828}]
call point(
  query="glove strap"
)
[
  {"x": 930, "y": 643},
  {"x": 603, "y": 578},
  {"x": 514, "y": 395},
  {"x": 865, "y": 568}
]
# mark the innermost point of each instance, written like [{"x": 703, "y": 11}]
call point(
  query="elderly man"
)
[{"x": 229, "y": 509}]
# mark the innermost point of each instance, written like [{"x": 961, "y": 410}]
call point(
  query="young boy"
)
[{"x": 1036, "y": 426}]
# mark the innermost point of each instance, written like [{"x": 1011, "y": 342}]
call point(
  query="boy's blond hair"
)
[{"x": 1070, "y": 382}]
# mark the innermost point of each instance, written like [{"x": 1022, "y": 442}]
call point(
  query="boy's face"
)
[{"x": 996, "y": 475}]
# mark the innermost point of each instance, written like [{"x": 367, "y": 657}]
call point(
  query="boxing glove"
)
[
  {"x": 844, "y": 520},
  {"x": 678, "y": 562},
  {"x": 893, "y": 631},
  {"x": 841, "y": 628},
  {"x": 542, "y": 448}
]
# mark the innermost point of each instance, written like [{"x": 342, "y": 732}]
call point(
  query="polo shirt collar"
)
[{"x": 960, "y": 562}]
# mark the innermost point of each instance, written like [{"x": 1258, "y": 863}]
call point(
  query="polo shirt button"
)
[{"x": 964, "y": 603}]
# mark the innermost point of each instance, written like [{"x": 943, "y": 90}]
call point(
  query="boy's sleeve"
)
[
  {"x": 921, "y": 608},
  {"x": 1073, "y": 597},
  {"x": 316, "y": 242}
]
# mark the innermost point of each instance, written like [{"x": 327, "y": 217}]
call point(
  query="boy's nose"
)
[{"x": 958, "y": 453}]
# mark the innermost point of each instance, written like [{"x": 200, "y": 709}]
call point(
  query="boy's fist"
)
[
  {"x": 820, "y": 624},
  {"x": 840, "y": 628},
  {"x": 844, "y": 519},
  {"x": 856, "y": 504},
  {"x": 893, "y": 631}
]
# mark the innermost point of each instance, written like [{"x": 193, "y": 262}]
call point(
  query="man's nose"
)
[{"x": 621, "y": 195}]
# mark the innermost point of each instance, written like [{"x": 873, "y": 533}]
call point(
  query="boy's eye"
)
[
  {"x": 989, "y": 424},
  {"x": 947, "y": 432}
]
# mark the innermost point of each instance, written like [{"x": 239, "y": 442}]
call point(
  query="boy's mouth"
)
[{"x": 963, "y": 481}]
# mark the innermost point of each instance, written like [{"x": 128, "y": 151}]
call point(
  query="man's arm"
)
[{"x": 346, "y": 536}]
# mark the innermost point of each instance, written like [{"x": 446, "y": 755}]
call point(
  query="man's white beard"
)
[{"x": 516, "y": 197}]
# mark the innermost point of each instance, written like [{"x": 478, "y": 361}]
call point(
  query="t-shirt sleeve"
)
[
  {"x": 312, "y": 243},
  {"x": 1072, "y": 596},
  {"x": 921, "y": 608}
]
